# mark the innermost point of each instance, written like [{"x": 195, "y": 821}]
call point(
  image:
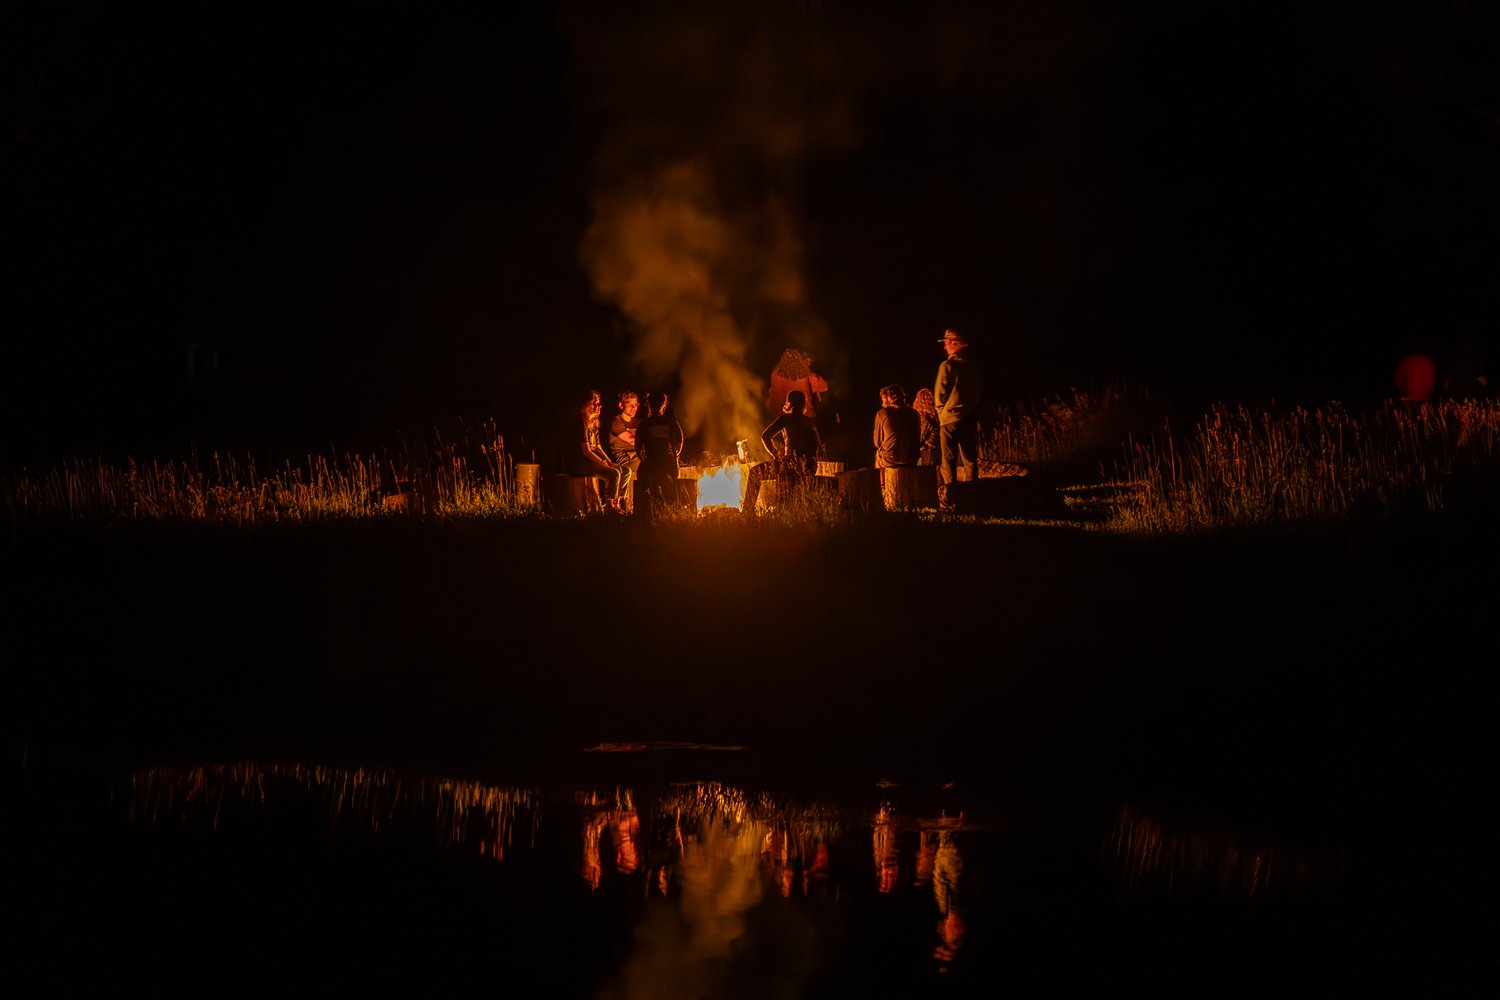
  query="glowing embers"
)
[{"x": 722, "y": 487}]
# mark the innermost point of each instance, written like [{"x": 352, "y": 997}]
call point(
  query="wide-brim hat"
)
[{"x": 953, "y": 334}]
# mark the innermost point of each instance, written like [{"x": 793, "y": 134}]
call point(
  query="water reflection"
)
[
  {"x": 707, "y": 878},
  {"x": 458, "y": 813},
  {"x": 1151, "y": 855},
  {"x": 938, "y": 862}
]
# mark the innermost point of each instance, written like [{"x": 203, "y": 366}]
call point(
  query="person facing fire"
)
[
  {"x": 793, "y": 441},
  {"x": 897, "y": 430},
  {"x": 622, "y": 431},
  {"x": 658, "y": 445},
  {"x": 590, "y": 460},
  {"x": 957, "y": 395}
]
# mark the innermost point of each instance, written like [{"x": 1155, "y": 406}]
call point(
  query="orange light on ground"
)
[{"x": 721, "y": 487}]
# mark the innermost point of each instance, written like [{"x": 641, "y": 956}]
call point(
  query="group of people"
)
[
  {"x": 642, "y": 448},
  {"x": 940, "y": 428}
]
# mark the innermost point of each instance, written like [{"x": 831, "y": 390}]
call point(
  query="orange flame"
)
[{"x": 721, "y": 487}]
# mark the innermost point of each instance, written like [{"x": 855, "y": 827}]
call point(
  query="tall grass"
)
[
  {"x": 1060, "y": 434},
  {"x": 1251, "y": 468},
  {"x": 469, "y": 476}
]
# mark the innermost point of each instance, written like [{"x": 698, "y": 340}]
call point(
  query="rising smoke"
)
[{"x": 696, "y": 237}]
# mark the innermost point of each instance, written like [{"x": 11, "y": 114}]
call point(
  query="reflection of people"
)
[
  {"x": 792, "y": 439},
  {"x": 897, "y": 430},
  {"x": 622, "y": 437},
  {"x": 658, "y": 445},
  {"x": 927, "y": 431},
  {"x": 590, "y": 460},
  {"x": 947, "y": 867},
  {"x": 957, "y": 395}
]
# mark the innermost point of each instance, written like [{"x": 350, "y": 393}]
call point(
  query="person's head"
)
[
  {"x": 590, "y": 405},
  {"x": 796, "y": 401},
  {"x": 924, "y": 402},
  {"x": 629, "y": 404},
  {"x": 953, "y": 342},
  {"x": 893, "y": 395},
  {"x": 656, "y": 402}
]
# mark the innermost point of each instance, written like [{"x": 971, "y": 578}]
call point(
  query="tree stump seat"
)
[{"x": 572, "y": 495}]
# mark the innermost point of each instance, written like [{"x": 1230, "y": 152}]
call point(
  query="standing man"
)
[
  {"x": 957, "y": 395},
  {"x": 622, "y": 445}
]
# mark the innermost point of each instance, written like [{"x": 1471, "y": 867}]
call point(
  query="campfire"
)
[{"x": 723, "y": 486}]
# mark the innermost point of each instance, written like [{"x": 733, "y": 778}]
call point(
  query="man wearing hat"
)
[{"x": 957, "y": 394}]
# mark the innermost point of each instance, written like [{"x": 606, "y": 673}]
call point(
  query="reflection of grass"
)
[
  {"x": 459, "y": 813},
  {"x": 1149, "y": 854}
]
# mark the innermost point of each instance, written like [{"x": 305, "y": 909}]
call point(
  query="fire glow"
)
[{"x": 721, "y": 487}]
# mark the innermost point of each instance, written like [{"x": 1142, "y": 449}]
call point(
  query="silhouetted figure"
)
[
  {"x": 792, "y": 439},
  {"x": 1464, "y": 374},
  {"x": 927, "y": 431},
  {"x": 659, "y": 445},
  {"x": 957, "y": 395}
]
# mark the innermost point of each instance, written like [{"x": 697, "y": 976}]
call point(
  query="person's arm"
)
[
  {"x": 879, "y": 419},
  {"x": 943, "y": 386},
  {"x": 768, "y": 436}
]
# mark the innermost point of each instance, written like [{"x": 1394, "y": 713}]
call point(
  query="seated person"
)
[
  {"x": 590, "y": 459},
  {"x": 622, "y": 432}
]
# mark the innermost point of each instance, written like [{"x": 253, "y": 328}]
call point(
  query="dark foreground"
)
[{"x": 1307, "y": 697}]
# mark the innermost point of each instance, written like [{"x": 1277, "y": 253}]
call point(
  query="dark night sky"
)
[{"x": 350, "y": 224}]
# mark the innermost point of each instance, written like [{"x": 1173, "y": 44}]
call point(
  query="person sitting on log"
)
[{"x": 590, "y": 459}]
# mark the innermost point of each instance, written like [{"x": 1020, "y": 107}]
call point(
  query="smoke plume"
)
[{"x": 696, "y": 237}]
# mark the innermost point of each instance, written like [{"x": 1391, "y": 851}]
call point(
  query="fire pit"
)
[{"x": 722, "y": 486}]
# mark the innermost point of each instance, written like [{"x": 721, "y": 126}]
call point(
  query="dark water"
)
[
  {"x": 258, "y": 873},
  {"x": 976, "y": 758}
]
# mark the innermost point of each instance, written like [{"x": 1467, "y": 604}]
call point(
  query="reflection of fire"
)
[
  {"x": 887, "y": 868},
  {"x": 721, "y": 487}
]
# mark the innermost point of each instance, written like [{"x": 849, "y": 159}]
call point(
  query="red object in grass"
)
[{"x": 1416, "y": 377}]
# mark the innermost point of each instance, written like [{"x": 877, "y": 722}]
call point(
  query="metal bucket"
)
[{"x": 527, "y": 485}]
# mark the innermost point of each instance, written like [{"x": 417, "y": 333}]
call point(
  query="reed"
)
[
  {"x": 469, "y": 476},
  {"x": 1060, "y": 434},
  {"x": 1240, "y": 467}
]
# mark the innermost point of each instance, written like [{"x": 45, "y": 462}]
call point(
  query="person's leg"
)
[
  {"x": 946, "y": 466},
  {"x": 949, "y": 452},
  {"x": 967, "y": 440}
]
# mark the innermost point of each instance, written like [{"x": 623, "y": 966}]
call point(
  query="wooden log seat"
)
[
  {"x": 909, "y": 486},
  {"x": 572, "y": 495}
]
